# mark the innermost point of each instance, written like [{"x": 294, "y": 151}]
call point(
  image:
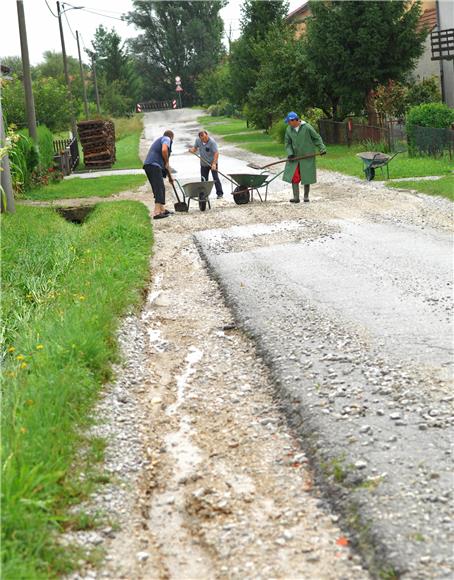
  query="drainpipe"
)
[{"x": 442, "y": 76}]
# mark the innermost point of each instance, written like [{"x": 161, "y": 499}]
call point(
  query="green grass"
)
[
  {"x": 93, "y": 187},
  {"x": 127, "y": 133},
  {"x": 128, "y": 152},
  {"x": 64, "y": 287},
  {"x": 443, "y": 187},
  {"x": 224, "y": 125},
  {"x": 339, "y": 157}
]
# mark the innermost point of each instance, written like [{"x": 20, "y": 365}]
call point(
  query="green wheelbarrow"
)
[
  {"x": 247, "y": 183},
  {"x": 373, "y": 160}
]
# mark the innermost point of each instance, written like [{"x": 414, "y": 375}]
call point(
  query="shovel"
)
[
  {"x": 220, "y": 173},
  {"x": 255, "y": 166},
  {"x": 180, "y": 206}
]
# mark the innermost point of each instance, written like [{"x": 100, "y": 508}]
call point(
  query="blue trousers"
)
[{"x": 205, "y": 172}]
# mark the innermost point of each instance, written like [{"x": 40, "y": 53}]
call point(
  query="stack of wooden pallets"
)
[{"x": 98, "y": 143}]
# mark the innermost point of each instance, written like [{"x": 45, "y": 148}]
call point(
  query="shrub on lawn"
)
[
  {"x": 45, "y": 147},
  {"x": 430, "y": 115},
  {"x": 23, "y": 160},
  {"x": 223, "y": 108},
  {"x": 64, "y": 289}
]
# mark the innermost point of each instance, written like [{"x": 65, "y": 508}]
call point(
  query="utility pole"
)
[
  {"x": 95, "y": 79},
  {"x": 7, "y": 200},
  {"x": 65, "y": 68},
  {"x": 82, "y": 76},
  {"x": 29, "y": 101}
]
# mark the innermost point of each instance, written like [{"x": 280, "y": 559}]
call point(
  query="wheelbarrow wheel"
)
[
  {"x": 370, "y": 173},
  {"x": 202, "y": 201},
  {"x": 241, "y": 195}
]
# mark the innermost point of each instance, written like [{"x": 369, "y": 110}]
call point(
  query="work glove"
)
[{"x": 291, "y": 157}]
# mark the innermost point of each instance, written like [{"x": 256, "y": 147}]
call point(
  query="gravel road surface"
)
[{"x": 284, "y": 406}]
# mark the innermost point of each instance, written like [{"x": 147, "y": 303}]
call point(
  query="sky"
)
[{"x": 43, "y": 32}]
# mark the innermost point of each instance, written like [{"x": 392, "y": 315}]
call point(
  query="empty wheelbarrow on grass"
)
[
  {"x": 373, "y": 160},
  {"x": 247, "y": 183},
  {"x": 197, "y": 190}
]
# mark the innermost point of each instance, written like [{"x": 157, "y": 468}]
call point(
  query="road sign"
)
[
  {"x": 174, "y": 104},
  {"x": 179, "y": 89},
  {"x": 178, "y": 80}
]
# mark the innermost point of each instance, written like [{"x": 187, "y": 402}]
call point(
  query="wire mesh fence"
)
[{"x": 430, "y": 141}]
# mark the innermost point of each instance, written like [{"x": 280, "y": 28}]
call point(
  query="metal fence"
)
[
  {"x": 71, "y": 146},
  {"x": 431, "y": 141},
  {"x": 348, "y": 133}
]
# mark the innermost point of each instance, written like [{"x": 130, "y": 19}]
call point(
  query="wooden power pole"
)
[
  {"x": 65, "y": 68},
  {"x": 7, "y": 199},
  {"x": 29, "y": 101},
  {"x": 82, "y": 76}
]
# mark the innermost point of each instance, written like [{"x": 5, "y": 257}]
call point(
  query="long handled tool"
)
[
  {"x": 255, "y": 166},
  {"x": 220, "y": 173},
  {"x": 180, "y": 206}
]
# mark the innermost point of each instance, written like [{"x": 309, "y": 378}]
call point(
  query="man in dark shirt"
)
[{"x": 157, "y": 167}]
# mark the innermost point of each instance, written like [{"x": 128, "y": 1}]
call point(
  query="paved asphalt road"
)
[{"x": 355, "y": 320}]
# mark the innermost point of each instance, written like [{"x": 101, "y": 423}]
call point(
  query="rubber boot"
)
[
  {"x": 296, "y": 193},
  {"x": 306, "y": 193}
]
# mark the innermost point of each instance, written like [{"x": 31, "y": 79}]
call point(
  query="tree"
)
[
  {"x": 178, "y": 39},
  {"x": 111, "y": 59},
  {"x": 214, "y": 85},
  {"x": 280, "y": 80},
  {"x": 257, "y": 19},
  {"x": 51, "y": 103},
  {"x": 352, "y": 47}
]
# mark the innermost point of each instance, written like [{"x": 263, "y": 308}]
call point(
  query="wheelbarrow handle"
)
[{"x": 220, "y": 173}]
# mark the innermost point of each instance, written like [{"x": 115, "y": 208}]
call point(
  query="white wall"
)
[{"x": 446, "y": 13}]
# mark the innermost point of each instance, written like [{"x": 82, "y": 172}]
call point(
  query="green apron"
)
[{"x": 299, "y": 143}]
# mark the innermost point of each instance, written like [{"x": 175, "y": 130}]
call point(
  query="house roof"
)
[
  {"x": 428, "y": 19},
  {"x": 297, "y": 11}
]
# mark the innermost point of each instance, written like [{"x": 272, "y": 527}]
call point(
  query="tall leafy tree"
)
[
  {"x": 257, "y": 19},
  {"x": 111, "y": 57},
  {"x": 178, "y": 39},
  {"x": 353, "y": 46}
]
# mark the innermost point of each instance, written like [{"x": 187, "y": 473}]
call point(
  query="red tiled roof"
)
[{"x": 428, "y": 19}]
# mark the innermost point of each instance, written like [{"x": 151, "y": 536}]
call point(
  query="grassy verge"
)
[
  {"x": 443, "y": 187},
  {"x": 128, "y": 131},
  {"x": 339, "y": 158},
  {"x": 93, "y": 187},
  {"x": 64, "y": 289}
]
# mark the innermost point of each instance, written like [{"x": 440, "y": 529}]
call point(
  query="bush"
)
[
  {"x": 427, "y": 91},
  {"x": 223, "y": 108},
  {"x": 436, "y": 115},
  {"x": 46, "y": 147},
  {"x": 430, "y": 115},
  {"x": 23, "y": 160},
  {"x": 214, "y": 85},
  {"x": 278, "y": 130}
]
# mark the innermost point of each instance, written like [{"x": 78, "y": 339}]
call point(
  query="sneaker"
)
[
  {"x": 160, "y": 216},
  {"x": 294, "y": 200}
]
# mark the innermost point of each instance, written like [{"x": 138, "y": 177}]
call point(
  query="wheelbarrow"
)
[
  {"x": 198, "y": 191},
  {"x": 247, "y": 183},
  {"x": 373, "y": 160}
]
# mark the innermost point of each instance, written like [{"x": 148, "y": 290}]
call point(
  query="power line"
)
[
  {"x": 69, "y": 25},
  {"x": 50, "y": 9},
  {"x": 90, "y": 11}
]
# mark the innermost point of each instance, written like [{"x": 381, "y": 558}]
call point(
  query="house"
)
[{"x": 436, "y": 15}]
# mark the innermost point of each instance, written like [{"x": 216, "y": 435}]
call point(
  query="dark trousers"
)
[
  {"x": 205, "y": 172},
  {"x": 154, "y": 174}
]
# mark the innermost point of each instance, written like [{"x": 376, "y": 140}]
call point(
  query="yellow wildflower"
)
[
  {"x": 20, "y": 357},
  {"x": 11, "y": 349},
  {"x": 39, "y": 347},
  {"x": 23, "y": 430},
  {"x": 23, "y": 365},
  {"x": 29, "y": 402}
]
